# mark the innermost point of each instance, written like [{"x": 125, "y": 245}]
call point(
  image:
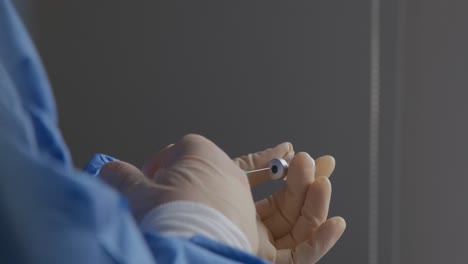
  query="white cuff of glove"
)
[{"x": 187, "y": 219}]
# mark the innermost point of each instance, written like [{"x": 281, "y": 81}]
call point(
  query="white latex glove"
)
[
  {"x": 194, "y": 169},
  {"x": 292, "y": 223}
]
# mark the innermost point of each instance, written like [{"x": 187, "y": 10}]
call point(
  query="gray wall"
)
[
  {"x": 131, "y": 77},
  {"x": 434, "y": 194}
]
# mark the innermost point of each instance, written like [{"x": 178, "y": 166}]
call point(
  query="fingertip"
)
[
  {"x": 193, "y": 137},
  {"x": 157, "y": 161},
  {"x": 118, "y": 168},
  {"x": 119, "y": 174},
  {"x": 195, "y": 143},
  {"x": 318, "y": 198},
  {"x": 321, "y": 185},
  {"x": 110, "y": 168},
  {"x": 283, "y": 150},
  {"x": 339, "y": 222},
  {"x": 301, "y": 171},
  {"x": 329, "y": 158},
  {"x": 325, "y": 165},
  {"x": 329, "y": 233},
  {"x": 303, "y": 157},
  {"x": 289, "y": 152},
  {"x": 288, "y": 146},
  {"x": 336, "y": 226}
]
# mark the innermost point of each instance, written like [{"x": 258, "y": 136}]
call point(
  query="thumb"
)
[
  {"x": 261, "y": 159},
  {"x": 121, "y": 175},
  {"x": 160, "y": 160},
  {"x": 132, "y": 184}
]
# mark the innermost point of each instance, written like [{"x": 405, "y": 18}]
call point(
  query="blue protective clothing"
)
[{"x": 51, "y": 212}]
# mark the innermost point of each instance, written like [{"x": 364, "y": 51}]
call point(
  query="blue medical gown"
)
[{"x": 51, "y": 212}]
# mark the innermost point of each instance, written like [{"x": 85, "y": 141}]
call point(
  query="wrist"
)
[{"x": 187, "y": 219}]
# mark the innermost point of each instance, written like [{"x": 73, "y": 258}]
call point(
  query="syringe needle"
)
[{"x": 257, "y": 170}]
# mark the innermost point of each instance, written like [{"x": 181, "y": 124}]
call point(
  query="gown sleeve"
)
[{"x": 51, "y": 212}]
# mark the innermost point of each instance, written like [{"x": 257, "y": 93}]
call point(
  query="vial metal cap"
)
[{"x": 278, "y": 169}]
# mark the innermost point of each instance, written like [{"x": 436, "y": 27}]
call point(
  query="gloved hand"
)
[
  {"x": 292, "y": 222},
  {"x": 193, "y": 169}
]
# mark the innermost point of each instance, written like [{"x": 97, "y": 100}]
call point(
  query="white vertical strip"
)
[{"x": 374, "y": 133}]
